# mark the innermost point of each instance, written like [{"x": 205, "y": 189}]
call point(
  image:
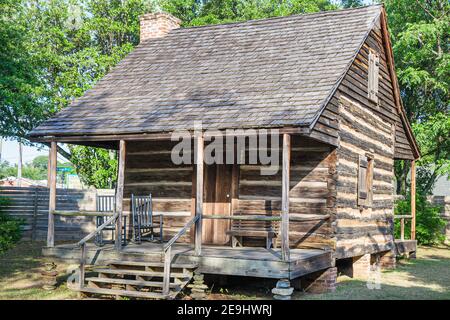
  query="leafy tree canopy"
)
[{"x": 420, "y": 32}]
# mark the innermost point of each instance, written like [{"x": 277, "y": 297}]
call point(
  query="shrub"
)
[
  {"x": 10, "y": 231},
  {"x": 429, "y": 224}
]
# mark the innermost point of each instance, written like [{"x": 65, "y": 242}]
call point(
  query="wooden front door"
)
[{"x": 217, "y": 201}]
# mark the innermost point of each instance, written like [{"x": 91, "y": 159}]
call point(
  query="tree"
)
[
  {"x": 24, "y": 98},
  {"x": 6, "y": 170},
  {"x": 433, "y": 137},
  {"x": 352, "y": 3},
  {"x": 40, "y": 162},
  {"x": 95, "y": 166},
  {"x": 197, "y": 13},
  {"x": 420, "y": 33}
]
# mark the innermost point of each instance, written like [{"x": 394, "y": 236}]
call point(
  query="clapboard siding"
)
[
  {"x": 312, "y": 191},
  {"x": 149, "y": 169},
  {"x": 31, "y": 205}
]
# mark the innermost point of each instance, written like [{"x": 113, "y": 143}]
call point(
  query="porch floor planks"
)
[{"x": 242, "y": 261}]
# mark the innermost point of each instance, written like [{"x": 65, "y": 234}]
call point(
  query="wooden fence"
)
[{"x": 31, "y": 204}]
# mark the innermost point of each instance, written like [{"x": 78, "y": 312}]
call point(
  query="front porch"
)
[{"x": 240, "y": 261}]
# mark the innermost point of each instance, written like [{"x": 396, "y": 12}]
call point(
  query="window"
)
[
  {"x": 374, "y": 69},
  {"x": 365, "y": 177}
]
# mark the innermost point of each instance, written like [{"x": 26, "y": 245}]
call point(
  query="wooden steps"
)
[
  {"x": 136, "y": 279},
  {"x": 142, "y": 283},
  {"x": 142, "y": 273},
  {"x": 151, "y": 264}
]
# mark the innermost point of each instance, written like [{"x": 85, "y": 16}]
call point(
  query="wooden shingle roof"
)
[{"x": 264, "y": 73}]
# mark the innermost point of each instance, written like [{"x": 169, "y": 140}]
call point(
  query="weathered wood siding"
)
[
  {"x": 312, "y": 191},
  {"x": 355, "y": 85},
  {"x": 361, "y": 230},
  {"x": 150, "y": 169},
  {"x": 366, "y": 127},
  {"x": 31, "y": 205}
]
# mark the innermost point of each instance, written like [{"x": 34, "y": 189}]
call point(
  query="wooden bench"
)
[
  {"x": 264, "y": 226},
  {"x": 258, "y": 226}
]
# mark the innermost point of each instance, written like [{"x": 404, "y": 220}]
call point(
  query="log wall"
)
[
  {"x": 150, "y": 169},
  {"x": 312, "y": 191},
  {"x": 366, "y": 127}
]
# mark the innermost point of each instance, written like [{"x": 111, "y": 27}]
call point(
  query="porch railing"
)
[
  {"x": 82, "y": 245},
  {"x": 168, "y": 255},
  {"x": 402, "y": 218}
]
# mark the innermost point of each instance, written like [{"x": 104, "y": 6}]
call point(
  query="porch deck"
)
[
  {"x": 403, "y": 247},
  {"x": 242, "y": 261}
]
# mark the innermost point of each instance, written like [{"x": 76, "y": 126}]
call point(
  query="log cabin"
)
[{"x": 324, "y": 89}]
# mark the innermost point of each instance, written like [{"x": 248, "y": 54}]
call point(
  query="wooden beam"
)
[
  {"x": 285, "y": 197},
  {"x": 157, "y": 136},
  {"x": 250, "y": 217},
  {"x": 199, "y": 194},
  {"x": 82, "y": 213},
  {"x": 396, "y": 87},
  {"x": 52, "y": 195},
  {"x": 413, "y": 199},
  {"x": 49, "y": 165},
  {"x": 119, "y": 193},
  {"x": 234, "y": 185}
]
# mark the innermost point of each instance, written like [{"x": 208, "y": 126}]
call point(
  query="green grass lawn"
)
[
  {"x": 20, "y": 276},
  {"x": 427, "y": 277}
]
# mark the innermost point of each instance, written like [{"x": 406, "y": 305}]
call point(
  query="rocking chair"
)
[{"x": 143, "y": 219}]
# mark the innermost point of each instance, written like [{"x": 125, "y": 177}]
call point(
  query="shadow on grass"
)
[
  {"x": 358, "y": 290},
  {"x": 427, "y": 277},
  {"x": 24, "y": 258}
]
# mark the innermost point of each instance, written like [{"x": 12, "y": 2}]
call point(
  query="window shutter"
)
[
  {"x": 374, "y": 70},
  {"x": 362, "y": 180}
]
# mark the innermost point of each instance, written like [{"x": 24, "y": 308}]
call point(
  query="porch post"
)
[
  {"x": 413, "y": 199},
  {"x": 285, "y": 197},
  {"x": 52, "y": 195},
  {"x": 119, "y": 194},
  {"x": 199, "y": 195}
]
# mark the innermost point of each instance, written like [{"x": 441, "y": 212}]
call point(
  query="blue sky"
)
[{"x": 10, "y": 152}]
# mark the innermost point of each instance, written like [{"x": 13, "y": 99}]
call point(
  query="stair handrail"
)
[
  {"x": 167, "y": 253},
  {"x": 82, "y": 244},
  {"x": 402, "y": 218},
  {"x": 97, "y": 230}
]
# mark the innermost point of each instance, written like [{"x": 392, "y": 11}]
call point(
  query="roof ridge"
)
[{"x": 324, "y": 12}]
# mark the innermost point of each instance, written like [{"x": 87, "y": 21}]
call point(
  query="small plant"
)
[
  {"x": 10, "y": 231},
  {"x": 429, "y": 224},
  {"x": 223, "y": 290}
]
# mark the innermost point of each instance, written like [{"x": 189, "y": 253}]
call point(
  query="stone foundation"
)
[
  {"x": 320, "y": 282},
  {"x": 386, "y": 260},
  {"x": 282, "y": 290},
  {"x": 49, "y": 276},
  {"x": 198, "y": 287}
]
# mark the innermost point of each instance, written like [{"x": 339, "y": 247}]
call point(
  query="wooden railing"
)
[
  {"x": 168, "y": 256},
  {"x": 402, "y": 218},
  {"x": 82, "y": 245}
]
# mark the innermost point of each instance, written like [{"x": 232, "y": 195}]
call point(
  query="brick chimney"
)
[{"x": 157, "y": 25}]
